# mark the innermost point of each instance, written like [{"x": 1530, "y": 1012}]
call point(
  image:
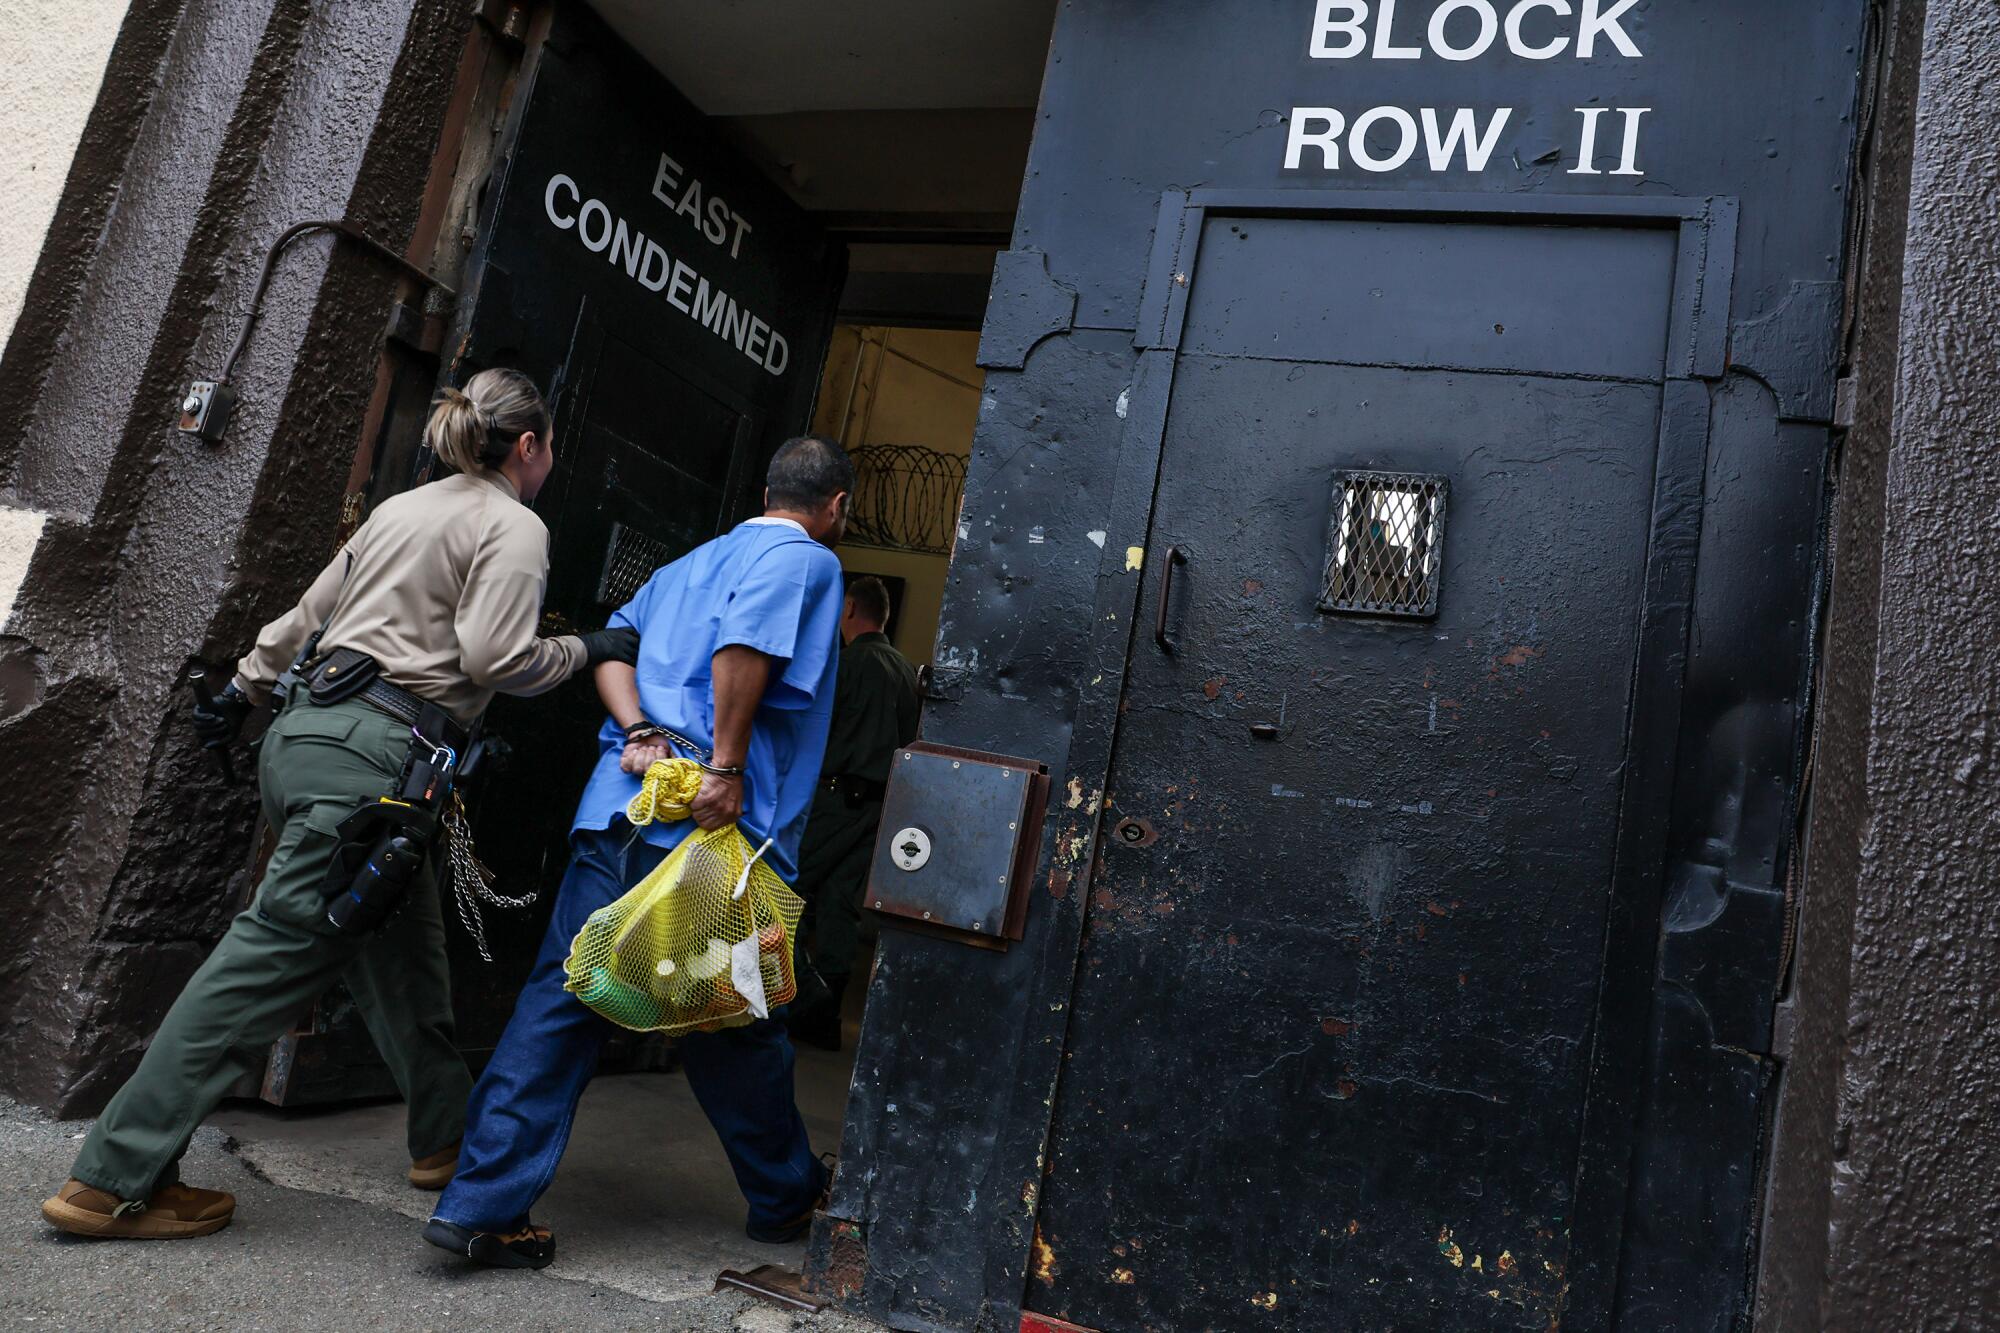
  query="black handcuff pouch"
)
[{"x": 341, "y": 674}]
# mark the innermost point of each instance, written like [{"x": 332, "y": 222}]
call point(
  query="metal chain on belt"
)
[{"x": 471, "y": 881}]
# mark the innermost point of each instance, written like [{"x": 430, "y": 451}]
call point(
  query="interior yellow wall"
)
[{"x": 914, "y": 386}]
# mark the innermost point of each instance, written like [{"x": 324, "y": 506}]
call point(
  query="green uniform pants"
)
[
  {"x": 317, "y": 765},
  {"x": 833, "y": 870}
]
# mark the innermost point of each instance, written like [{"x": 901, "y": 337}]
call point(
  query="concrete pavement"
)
[{"x": 326, "y": 1233}]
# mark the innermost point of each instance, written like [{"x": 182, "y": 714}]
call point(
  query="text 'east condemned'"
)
[
  {"x": 647, "y": 263},
  {"x": 1386, "y": 138}
]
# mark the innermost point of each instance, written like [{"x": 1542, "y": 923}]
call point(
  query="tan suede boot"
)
[
  {"x": 435, "y": 1172},
  {"x": 174, "y": 1213}
]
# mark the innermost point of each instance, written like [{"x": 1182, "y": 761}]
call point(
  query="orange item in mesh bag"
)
[{"x": 703, "y": 942}]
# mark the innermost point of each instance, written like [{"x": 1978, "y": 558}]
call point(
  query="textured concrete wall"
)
[
  {"x": 1812, "y": 1018},
  {"x": 1884, "y": 1212},
  {"x": 54, "y": 52},
  {"x": 223, "y": 122}
]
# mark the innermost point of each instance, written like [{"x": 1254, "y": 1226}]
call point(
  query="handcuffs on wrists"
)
[{"x": 644, "y": 730}]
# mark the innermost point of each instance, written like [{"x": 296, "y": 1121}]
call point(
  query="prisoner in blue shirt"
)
[
  {"x": 737, "y": 654},
  {"x": 766, "y": 585}
]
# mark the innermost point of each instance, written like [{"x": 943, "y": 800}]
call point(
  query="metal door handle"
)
[{"x": 1175, "y": 556}]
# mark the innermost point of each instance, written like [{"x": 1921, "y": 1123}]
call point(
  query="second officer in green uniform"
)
[
  {"x": 874, "y": 711},
  {"x": 433, "y": 603}
]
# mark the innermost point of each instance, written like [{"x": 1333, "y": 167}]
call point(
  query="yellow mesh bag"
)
[{"x": 703, "y": 942}]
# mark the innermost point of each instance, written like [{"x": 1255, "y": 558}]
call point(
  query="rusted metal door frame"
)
[{"x": 1696, "y": 354}]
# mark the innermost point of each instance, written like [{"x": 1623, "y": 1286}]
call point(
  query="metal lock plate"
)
[
  {"x": 910, "y": 849},
  {"x": 959, "y": 835}
]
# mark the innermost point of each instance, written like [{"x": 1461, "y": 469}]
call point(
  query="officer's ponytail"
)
[{"x": 476, "y": 427}]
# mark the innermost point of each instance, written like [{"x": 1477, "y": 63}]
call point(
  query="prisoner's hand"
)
[
  {"x": 642, "y": 755},
  {"x": 719, "y": 803}
]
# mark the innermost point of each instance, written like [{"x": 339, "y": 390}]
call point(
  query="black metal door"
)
[
  {"x": 645, "y": 272},
  {"x": 676, "y": 306},
  {"x": 1330, "y": 1059}
]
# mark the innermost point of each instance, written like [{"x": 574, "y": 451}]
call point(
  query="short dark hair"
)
[
  {"x": 806, "y": 472},
  {"x": 871, "y": 599}
]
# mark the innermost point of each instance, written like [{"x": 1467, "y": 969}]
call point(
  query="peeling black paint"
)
[{"x": 1692, "y": 1038}]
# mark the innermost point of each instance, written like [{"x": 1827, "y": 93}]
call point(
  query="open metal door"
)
[{"x": 676, "y": 306}]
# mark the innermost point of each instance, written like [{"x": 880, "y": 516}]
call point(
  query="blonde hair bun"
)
[{"x": 475, "y": 427}]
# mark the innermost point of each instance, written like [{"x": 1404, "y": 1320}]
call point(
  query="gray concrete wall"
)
[
  {"x": 1884, "y": 1210},
  {"x": 221, "y": 123}
]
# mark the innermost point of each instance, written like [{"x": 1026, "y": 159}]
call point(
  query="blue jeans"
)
[{"x": 518, "y": 1122}]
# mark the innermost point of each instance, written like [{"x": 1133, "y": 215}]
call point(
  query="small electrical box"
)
[
  {"x": 960, "y": 835},
  {"x": 206, "y": 410}
]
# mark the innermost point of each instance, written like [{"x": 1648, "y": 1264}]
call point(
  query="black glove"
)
[
  {"x": 218, "y": 720},
  {"x": 610, "y": 645}
]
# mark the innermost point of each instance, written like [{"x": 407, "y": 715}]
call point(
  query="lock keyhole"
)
[{"x": 910, "y": 849}]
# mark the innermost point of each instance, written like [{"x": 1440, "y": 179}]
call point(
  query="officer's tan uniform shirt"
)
[{"x": 444, "y": 590}]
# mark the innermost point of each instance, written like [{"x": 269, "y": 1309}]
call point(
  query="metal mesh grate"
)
[
  {"x": 1385, "y": 547},
  {"x": 630, "y": 561}
]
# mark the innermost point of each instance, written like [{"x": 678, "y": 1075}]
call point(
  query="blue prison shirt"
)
[{"x": 765, "y": 585}]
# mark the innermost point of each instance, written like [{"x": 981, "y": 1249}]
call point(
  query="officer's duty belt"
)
[
  {"x": 858, "y": 791},
  {"x": 400, "y": 704}
]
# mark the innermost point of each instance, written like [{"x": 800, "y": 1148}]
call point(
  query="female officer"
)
[{"x": 442, "y": 587}]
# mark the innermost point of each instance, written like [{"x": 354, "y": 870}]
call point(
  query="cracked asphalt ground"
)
[{"x": 296, "y": 1260}]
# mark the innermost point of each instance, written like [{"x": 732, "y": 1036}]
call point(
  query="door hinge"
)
[
  {"x": 507, "y": 18},
  {"x": 1845, "y": 390}
]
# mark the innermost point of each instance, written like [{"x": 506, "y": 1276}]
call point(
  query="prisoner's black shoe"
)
[
  {"x": 781, "y": 1233},
  {"x": 530, "y": 1247},
  {"x": 795, "y": 1228}
]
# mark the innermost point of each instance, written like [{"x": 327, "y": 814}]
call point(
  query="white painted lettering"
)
[
  {"x": 690, "y": 204},
  {"x": 650, "y": 278},
  {"x": 737, "y": 327},
  {"x": 711, "y": 307},
  {"x": 633, "y": 242},
  {"x": 583, "y": 226},
  {"x": 646, "y": 262},
  {"x": 1385, "y": 22},
  {"x": 1302, "y": 136},
  {"x": 678, "y": 289},
  {"x": 1489, "y": 28},
  {"x": 743, "y": 228},
  {"x": 560, "y": 182},
  {"x": 1519, "y": 44},
  {"x": 667, "y": 180},
  {"x": 1594, "y": 23},
  {"x": 1586, "y": 149},
  {"x": 1478, "y": 147},
  {"x": 1357, "y": 142},
  {"x": 1628, "y": 158},
  {"x": 1326, "y": 26}
]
